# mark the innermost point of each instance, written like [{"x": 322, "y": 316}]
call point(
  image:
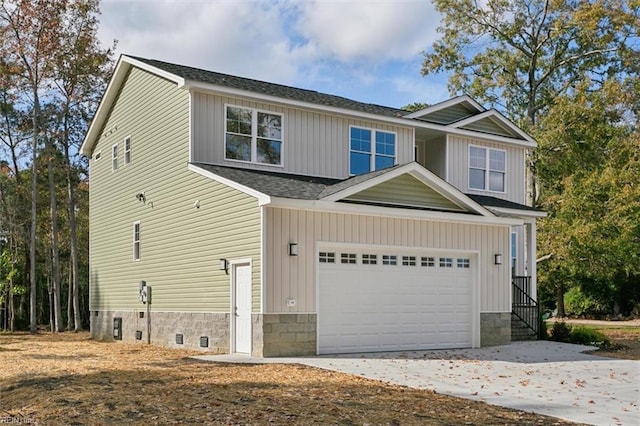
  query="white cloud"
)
[
  {"x": 370, "y": 30},
  {"x": 339, "y": 47},
  {"x": 244, "y": 38}
]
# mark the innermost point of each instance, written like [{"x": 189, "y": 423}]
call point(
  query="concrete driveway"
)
[{"x": 556, "y": 379}]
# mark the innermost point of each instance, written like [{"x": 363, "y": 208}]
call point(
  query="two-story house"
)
[{"x": 265, "y": 219}]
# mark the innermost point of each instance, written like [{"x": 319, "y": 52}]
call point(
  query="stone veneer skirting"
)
[
  {"x": 495, "y": 328},
  {"x": 286, "y": 335},
  {"x": 164, "y": 327}
]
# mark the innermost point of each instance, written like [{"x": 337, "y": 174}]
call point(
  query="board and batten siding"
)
[
  {"x": 433, "y": 156},
  {"x": 458, "y": 167},
  {"x": 295, "y": 276},
  {"x": 314, "y": 143},
  {"x": 180, "y": 245}
]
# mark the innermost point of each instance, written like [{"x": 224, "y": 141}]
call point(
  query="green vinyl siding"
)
[
  {"x": 180, "y": 245},
  {"x": 405, "y": 190}
]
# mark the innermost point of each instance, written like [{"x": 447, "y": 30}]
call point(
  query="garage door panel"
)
[{"x": 363, "y": 307}]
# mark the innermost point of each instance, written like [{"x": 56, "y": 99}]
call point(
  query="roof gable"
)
[
  {"x": 492, "y": 122},
  {"x": 449, "y": 111},
  {"x": 407, "y": 191},
  {"x": 382, "y": 184}
]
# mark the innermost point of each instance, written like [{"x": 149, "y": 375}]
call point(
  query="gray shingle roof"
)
[
  {"x": 273, "y": 183},
  {"x": 272, "y": 89},
  {"x": 300, "y": 187},
  {"x": 488, "y": 201}
]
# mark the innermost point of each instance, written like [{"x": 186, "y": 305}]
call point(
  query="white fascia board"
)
[
  {"x": 423, "y": 175},
  {"x": 492, "y": 113},
  {"x": 486, "y": 136},
  {"x": 122, "y": 68},
  {"x": 447, "y": 104},
  {"x": 520, "y": 213},
  {"x": 92, "y": 135},
  {"x": 263, "y": 199},
  {"x": 392, "y": 212},
  {"x": 153, "y": 70}
]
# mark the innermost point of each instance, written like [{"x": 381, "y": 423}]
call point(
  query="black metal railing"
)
[{"x": 524, "y": 306}]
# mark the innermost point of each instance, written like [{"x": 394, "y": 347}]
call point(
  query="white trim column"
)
[{"x": 531, "y": 235}]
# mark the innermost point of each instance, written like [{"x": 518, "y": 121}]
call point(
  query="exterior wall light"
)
[
  {"x": 224, "y": 265},
  {"x": 293, "y": 249},
  {"x": 497, "y": 258}
]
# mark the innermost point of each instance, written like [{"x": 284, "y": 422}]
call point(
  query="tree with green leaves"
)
[
  {"x": 589, "y": 165},
  {"x": 52, "y": 72},
  {"x": 82, "y": 69},
  {"x": 520, "y": 56},
  {"x": 30, "y": 38},
  {"x": 568, "y": 72}
]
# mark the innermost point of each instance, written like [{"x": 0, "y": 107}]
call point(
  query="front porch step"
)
[{"x": 520, "y": 331}]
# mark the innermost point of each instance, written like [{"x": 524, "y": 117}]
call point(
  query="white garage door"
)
[{"x": 386, "y": 300}]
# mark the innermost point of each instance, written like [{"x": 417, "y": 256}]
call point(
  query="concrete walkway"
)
[{"x": 555, "y": 379}]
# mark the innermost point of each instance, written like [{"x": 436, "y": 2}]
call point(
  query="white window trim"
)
[
  {"x": 127, "y": 152},
  {"x": 254, "y": 136},
  {"x": 114, "y": 157},
  {"x": 487, "y": 169},
  {"x": 136, "y": 242},
  {"x": 372, "y": 161}
]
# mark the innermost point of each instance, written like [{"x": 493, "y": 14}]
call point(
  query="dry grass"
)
[
  {"x": 68, "y": 379},
  {"x": 625, "y": 341}
]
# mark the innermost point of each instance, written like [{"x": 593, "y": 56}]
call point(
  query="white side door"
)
[{"x": 241, "y": 308}]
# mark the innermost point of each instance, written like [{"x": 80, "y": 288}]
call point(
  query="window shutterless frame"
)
[
  {"x": 371, "y": 149},
  {"x": 253, "y": 136},
  {"x": 114, "y": 157},
  {"x": 136, "y": 241},
  {"x": 127, "y": 150},
  {"x": 487, "y": 169}
]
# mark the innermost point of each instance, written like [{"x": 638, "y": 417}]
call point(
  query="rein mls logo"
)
[{"x": 6, "y": 419}]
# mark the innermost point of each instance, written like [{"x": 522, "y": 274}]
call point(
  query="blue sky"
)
[{"x": 367, "y": 50}]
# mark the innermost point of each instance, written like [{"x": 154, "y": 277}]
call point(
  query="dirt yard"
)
[
  {"x": 68, "y": 379},
  {"x": 624, "y": 335}
]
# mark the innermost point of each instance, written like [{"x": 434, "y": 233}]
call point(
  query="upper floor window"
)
[
  {"x": 487, "y": 168},
  {"x": 370, "y": 150},
  {"x": 127, "y": 150},
  {"x": 114, "y": 157},
  {"x": 253, "y": 136}
]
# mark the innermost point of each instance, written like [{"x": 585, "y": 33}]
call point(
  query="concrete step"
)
[{"x": 520, "y": 331}]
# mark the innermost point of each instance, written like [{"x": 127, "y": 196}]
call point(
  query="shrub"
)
[
  {"x": 560, "y": 331},
  {"x": 588, "y": 336},
  {"x": 579, "y": 302},
  {"x": 544, "y": 335}
]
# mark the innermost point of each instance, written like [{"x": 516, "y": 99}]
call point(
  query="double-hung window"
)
[
  {"x": 136, "y": 241},
  {"x": 114, "y": 157},
  {"x": 487, "y": 169},
  {"x": 253, "y": 136},
  {"x": 370, "y": 150},
  {"x": 127, "y": 150}
]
